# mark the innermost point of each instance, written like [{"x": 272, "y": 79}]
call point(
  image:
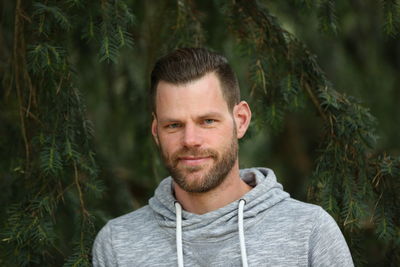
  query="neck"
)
[{"x": 231, "y": 189}]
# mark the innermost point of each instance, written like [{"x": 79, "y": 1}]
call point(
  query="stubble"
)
[{"x": 199, "y": 182}]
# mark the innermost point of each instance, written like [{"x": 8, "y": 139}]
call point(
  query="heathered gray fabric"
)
[{"x": 279, "y": 231}]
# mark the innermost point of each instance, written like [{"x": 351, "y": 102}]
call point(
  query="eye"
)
[
  {"x": 173, "y": 125},
  {"x": 209, "y": 121}
]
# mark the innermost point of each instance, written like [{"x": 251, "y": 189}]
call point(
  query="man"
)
[{"x": 210, "y": 213}]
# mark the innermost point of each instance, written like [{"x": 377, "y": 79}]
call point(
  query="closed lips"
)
[{"x": 194, "y": 160}]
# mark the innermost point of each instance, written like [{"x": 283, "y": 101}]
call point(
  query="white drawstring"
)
[
  {"x": 179, "y": 250},
  {"x": 241, "y": 233}
]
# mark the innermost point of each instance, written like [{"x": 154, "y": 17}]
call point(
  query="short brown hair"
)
[{"x": 188, "y": 64}]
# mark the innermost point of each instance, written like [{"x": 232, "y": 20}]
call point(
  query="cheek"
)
[
  {"x": 221, "y": 139},
  {"x": 168, "y": 143}
]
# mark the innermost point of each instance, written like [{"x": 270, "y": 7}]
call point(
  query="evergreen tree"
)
[{"x": 63, "y": 62}]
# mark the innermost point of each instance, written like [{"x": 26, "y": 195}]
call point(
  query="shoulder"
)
[
  {"x": 119, "y": 228},
  {"x": 303, "y": 212},
  {"x": 326, "y": 243},
  {"x": 302, "y": 218},
  {"x": 134, "y": 221},
  {"x": 138, "y": 216},
  {"x": 296, "y": 205},
  {"x": 121, "y": 232},
  {"x": 318, "y": 220}
]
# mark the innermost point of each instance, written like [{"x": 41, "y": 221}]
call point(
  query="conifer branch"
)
[
  {"x": 85, "y": 213},
  {"x": 18, "y": 60},
  {"x": 187, "y": 29},
  {"x": 357, "y": 188},
  {"x": 341, "y": 178},
  {"x": 316, "y": 103}
]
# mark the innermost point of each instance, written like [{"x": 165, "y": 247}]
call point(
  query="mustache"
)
[{"x": 193, "y": 152}]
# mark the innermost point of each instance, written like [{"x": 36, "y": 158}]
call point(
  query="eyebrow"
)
[
  {"x": 211, "y": 114},
  {"x": 203, "y": 116}
]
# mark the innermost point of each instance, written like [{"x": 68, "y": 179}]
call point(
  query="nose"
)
[{"x": 191, "y": 136}]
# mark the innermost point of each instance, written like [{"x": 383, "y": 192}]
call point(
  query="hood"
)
[{"x": 221, "y": 223}]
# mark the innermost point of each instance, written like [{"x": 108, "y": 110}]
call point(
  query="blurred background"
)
[{"x": 354, "y": 44}]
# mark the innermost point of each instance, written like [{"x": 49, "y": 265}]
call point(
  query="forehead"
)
[{"x": 199, "y": 96}]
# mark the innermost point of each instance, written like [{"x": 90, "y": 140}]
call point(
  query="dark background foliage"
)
[{"x": 75, "y": 146}]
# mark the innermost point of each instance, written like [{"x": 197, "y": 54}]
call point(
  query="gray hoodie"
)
[{"x": 277, "y": 231}]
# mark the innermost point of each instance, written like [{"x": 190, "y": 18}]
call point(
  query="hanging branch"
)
[
  {"x": 20, "y": 74},
  {"x": 53, "y": 113},
  {"x": 187, "y": 30},
  {"x": 341, "y": 182}
]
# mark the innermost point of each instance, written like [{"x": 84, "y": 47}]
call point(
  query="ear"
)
[
  {"x": 154, "y": 128},
  {"x": 242, "y": 117}
]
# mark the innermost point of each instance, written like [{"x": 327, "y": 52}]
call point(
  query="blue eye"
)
[
  {"x": 173, "y": 125},
  {"x": 209, "y": 121}
]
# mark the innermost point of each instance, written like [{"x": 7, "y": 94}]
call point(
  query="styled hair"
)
[{"x": 189, "y": 64}]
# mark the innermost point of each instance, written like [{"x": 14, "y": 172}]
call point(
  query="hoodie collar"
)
[{"x": 221, "y": 223}]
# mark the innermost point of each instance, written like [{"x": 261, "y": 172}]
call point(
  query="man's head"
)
[
  {"x": 197, "y": 117},
  {"x": 189, "y": 64}
]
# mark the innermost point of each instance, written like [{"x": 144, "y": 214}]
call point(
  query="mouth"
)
[{"x": 194, "y": 161}]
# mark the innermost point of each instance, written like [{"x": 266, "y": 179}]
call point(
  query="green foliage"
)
[
  {"x": 56, "y": 196},
  {"x": 116, "y": 18},
  {"x": 391, "y": 11},
  {"x": 50, "y": 158},
  {"x": 327, "y": 16},
  {"x": 57, "y": 17},
  {"x": 45, "y": 57},
  {"x": 187, "y": 30}
]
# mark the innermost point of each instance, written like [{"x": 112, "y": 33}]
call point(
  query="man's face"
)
[{"x": 196, "y": 133}]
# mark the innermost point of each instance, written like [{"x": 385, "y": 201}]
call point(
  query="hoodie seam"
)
[
  {"x": 314, "y": 226},
  {"x": 113, "y": 252}
]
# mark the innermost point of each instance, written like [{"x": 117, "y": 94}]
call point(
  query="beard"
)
[{"x": 200, "y": 183}]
